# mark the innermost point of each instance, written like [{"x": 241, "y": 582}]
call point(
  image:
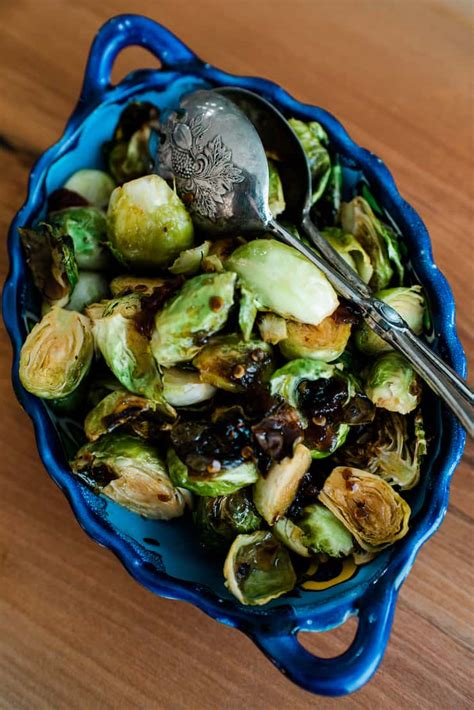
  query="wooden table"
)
[{"x": 75, "y": 630}]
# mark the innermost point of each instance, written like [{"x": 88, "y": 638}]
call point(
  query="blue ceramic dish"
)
[{"x": 163, "y": 556}]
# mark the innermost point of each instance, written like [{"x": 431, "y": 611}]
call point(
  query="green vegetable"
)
[
  {"x": 220, "y": 482},
  {"x": 326, "y": 341},
  {"x": 95, "y": 186},
  {"x": 409, "y": 302},
  {"x": 392, "y": 383},
  {"x": 125, "y": 284},
  {"x": 57, "y": 354},
  {"x": 87, "y": 227},
  {"x": 292, "y": 536},
  {"x": 276, "y": 198},
  {"x": 127, "y": 154},
  {"x": 90, "y": 288},
  {"x": 130, "y": 472},
  {"x": 273, "y": 329},
  {"x": 258, "y": 568},
  {"x": 248, "y": 309},
  {"x": 182, "y": 388},
  {"x": 121, "y": 408},
  {"x": 230, "y": 364},
  {"x": 286, "y": 381},
  {"x": 220, "y": 519},
  {"x": 324, "y": 532},
  {"x": 314, "y": 140},
  {"x": 351, "y": 251},
  {"x": 197, "y": 311},
  {"x": 148, "y": 225},
  {"x": 189, "y": 261},
  {"x": 283, "y": 281}
]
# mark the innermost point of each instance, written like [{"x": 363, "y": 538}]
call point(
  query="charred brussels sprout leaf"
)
[
  {"x": 391, "y": 383},
  {"x": 283, "y": 281},
  {"x": 314, "y": 140},
  {"x": 148, "y": 225},
  {"x": 408, "y": 302},
  {"x": 197, "y": 311},
  {"x": 351, "y": 251},
  {"x": 215, "y": 481},
  {"x": 130, "y": 472},
  {"x": 326, "y": 341},
  {"x": 324, "y": 532},
  {"x": 274, "y": 494},
  {"x": 220, "y": 519},
  {"x": 50, "y": 257},
  {"x": 276, "y": 198},
  {"x": 378, "y": 240},
  {"x": 87, "y": 227},
  {"x": 392, "y": 447},
  {"x": 258, "y": 568},
  {"x": 230, "y": 364},
  {"x": 57, "y": 354},
  {"x": 127, "y": 154},
  {"x": 367, "y": 506},
  {"x": 123, "y": 409},
  {"x": 183, "y": 388},
  {"x": 95, "y": 186}
]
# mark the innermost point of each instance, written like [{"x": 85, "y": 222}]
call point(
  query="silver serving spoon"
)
[{"x": 213, "y": 152}]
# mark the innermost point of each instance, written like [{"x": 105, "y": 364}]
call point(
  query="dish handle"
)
[
  {"x": 341, "y": 674},
  {"x": 125, "y": 31}
]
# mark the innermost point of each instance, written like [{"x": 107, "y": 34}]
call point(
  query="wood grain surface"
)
[{"x": 75, "y": 630}]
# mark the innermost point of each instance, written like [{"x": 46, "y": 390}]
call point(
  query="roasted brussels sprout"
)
[
  {"x": 367, "y": 506},
  {"x": 148, "y": 225},
  {"x": 130, "y": 472},
  {"x": 392, "y": 447},
  {"x": 217, "y": 480},
  {"x": 50, "y": 257},
  {"x": 57, "y": 354},
  {"x": 326, "y": 341},
  {"x": 351, "y": 251},
  {"x": 190, "y": 260},
  {"x": 258, "y": 568},
  {"x": 292, "y": 536},
  {"x": 125, "y": 284},
  {"x": 273, "y": 329},
  {"x": 183, "y": 388},
  {"x": 378, "y": 240},
  {"x": 95, "y": 186},
  {"x": 128, "y": 155},
  {"x": 408, "y": 302},
  {"x": 276, "y": 198},
  {"x": 197, "y": 311},
  {"x": 274, "y": 493},
  {"x": 248, "y": 309},
  {"x": 91, "y": 287},
  {"x": 220, "y": 519},
  {"x": 284, "y": 281},
  {"x": 314, "y": 140},
  {"x": 121, "y": 408},
  {"x": 127, "y": 351},
  {"x": 323, "y": 532},
  {"x": 391, "y": 383},
  {"x": 230, "y": 364},
  {"x": 87, "y": 227}
]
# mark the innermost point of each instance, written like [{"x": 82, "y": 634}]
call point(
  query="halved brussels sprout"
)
[
  {"x": 276, "y": 198},
  {"x": 274, "y": 493},
  {"x": 314, "y": 140},
  {"x": 324, "y": 532},
  {"x": 326, "y": 341},
  {"x": 50, "y": 257},
  {"x": 128, "y": 155},
  {"x": 189, "y": 261},
  {"x": 95, "y": 186},
  {"x": 121, "y": 408},
  {"x": 182, "y": 388},
  {"x": 197, "y": 311},
  {"x": 391, "y": 383},
  {"x": 292, "y": 536},
  {"x": 258, "y": 568},
  {"x": 127, "y": 352},
  {"x": 409, "y": 302},
  {"x": 148, "y": 225},
  {"x": 273, "y": 328},
  {"x": 233, "y": 365},
  {"x": 350, "y": 250},
  {"x": 130, "y": 472},
  {"x": 286, "y": 381},
  {"x": 378, "y": 240},
  {"x": 57, "y": 354},
  {"x": 283, "y": 281},
  {"x": 367, "y": 506},
  {"x": 217, "y": 480},
  {"x": 220, "y": 519},
  {"x": 87, "y": 227},
  {"x": 90, "y": 288},
  {"x": 392, "y": 447},
  {"x": 143, "y": 285}
]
